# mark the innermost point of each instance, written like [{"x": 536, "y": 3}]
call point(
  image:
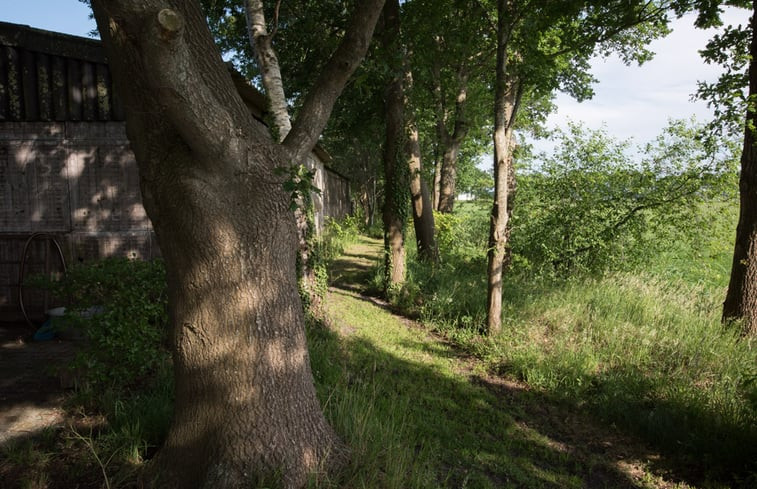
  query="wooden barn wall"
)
[
  {"x": 336, "y": 195},
  {"x": 77, "y": 181},
  {"x": 39, "y": 86},
  {"x": 334, "y": 199}
]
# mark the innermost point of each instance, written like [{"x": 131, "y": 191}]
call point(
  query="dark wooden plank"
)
[
  {"x": 53, "y": 43},
  {"x": 49, "y": 201},
  {"x": 82, "y": 162},
  {"x": 59, "y": 90},
  {"x": 89, "y": 92},
  {"x": 44, "y": 89},
  {"x": 4, "y": 115},
  {"x": 119, "y": 113},
  {"x": 29, "y": 84},
  {"x": 102, "y": 75},
  {"x": 74, "y": 85},
  {"x": 15, "y": 95},
  {"x": 15, "y": 188},
  {"x": 8, "y": 284}
]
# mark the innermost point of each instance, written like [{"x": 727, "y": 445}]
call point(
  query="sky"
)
[
  {"x": 637, "y": 101},
  {"x": 631, "y": 101}
]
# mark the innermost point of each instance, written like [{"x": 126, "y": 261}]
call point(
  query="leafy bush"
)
[
  {"x": 337, "y": 235},
  {"x": 450, "y": 293},
  {"x": 120, "y": 307},
  {"x": 592, "y": 207}
]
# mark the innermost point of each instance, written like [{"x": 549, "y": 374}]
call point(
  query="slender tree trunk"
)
[
  {"x": 452, "y": 144},
  {"x": 506, "y": 100},
  {"x": 441, "y": 130},
  {"x": 395, "y": 179},
  {"x": 423, "y": 216},
  {"x": 437, "y": 176},
  {"x": 270, "y": 72},
  {"x": 245, "y": 404},
  {"x": 498, "y": 228},
  {"x": 448, "y": 175},
  {"x": 511, "y": 188},
  {"x": 741, "y": 298}
]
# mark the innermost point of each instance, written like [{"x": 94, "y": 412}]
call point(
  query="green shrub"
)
[
  {"x": 337, "y": 235},
  {"x": 120, "y": 306},
  {"x": 591, "y": 207}
]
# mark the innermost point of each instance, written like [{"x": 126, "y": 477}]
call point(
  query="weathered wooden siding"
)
[
  {"x": 77, "y": 181},
  {"x": 333, "y": 200},
  {"x": 46, "y": 76},
  {"x": 336, "y": 195}
]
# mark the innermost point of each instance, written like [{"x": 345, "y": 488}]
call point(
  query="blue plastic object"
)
[{"x": 46, "y": 332}]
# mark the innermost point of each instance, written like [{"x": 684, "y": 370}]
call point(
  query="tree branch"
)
[
  {"x": 270, "y": 72},
  {"x": 192, "y": 104},
  {"x": 320, "y": 100}
]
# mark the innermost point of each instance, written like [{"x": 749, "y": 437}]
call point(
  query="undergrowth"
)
[{"x": 645, "y": 351}]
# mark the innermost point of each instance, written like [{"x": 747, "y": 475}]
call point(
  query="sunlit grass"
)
[{"x": 642, "y": 351}]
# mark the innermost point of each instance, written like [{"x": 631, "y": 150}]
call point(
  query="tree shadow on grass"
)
[
  {"x": 462, "y": 434},
  {"x": 697, "y": 443}
]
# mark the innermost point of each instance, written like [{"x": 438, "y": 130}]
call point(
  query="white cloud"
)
[{"x": 636, "y": 102}]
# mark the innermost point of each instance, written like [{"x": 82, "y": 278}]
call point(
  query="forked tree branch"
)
[{"x": 321, "y": 98}]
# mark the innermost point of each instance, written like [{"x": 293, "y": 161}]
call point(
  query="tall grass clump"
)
[{"x": 647, "y": 355}]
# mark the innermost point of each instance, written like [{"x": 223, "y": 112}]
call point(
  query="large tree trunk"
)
[
  {"x": 741, "y": 299},
  {"x": 507, "y": 96},
  {"x": 245, "y": 404},
  {"x": 395, "y": 173}
]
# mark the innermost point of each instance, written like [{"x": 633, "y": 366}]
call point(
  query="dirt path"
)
[
  {"x": 550, "y": 446},
  {"x": 31, "y": 395}
]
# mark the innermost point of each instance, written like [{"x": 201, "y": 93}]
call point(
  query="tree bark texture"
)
[
  {"x": 245, "y": 404},
  {"x": 448, "y": 177},
  {"x": 512, "y": 185},
  {"x": 420, "y": 200},
  {"x": 268, "y": 62},
  {"x": 741, "y": 298},
  {"x": 423, "y": 215},
  {"x": 506, "y": 100},
  {"x": 451, "y": 143},
  {"x": 270, "y": 73},
  {"x": 395, "y": 173},
  {"x": 437, "y": 177}
]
